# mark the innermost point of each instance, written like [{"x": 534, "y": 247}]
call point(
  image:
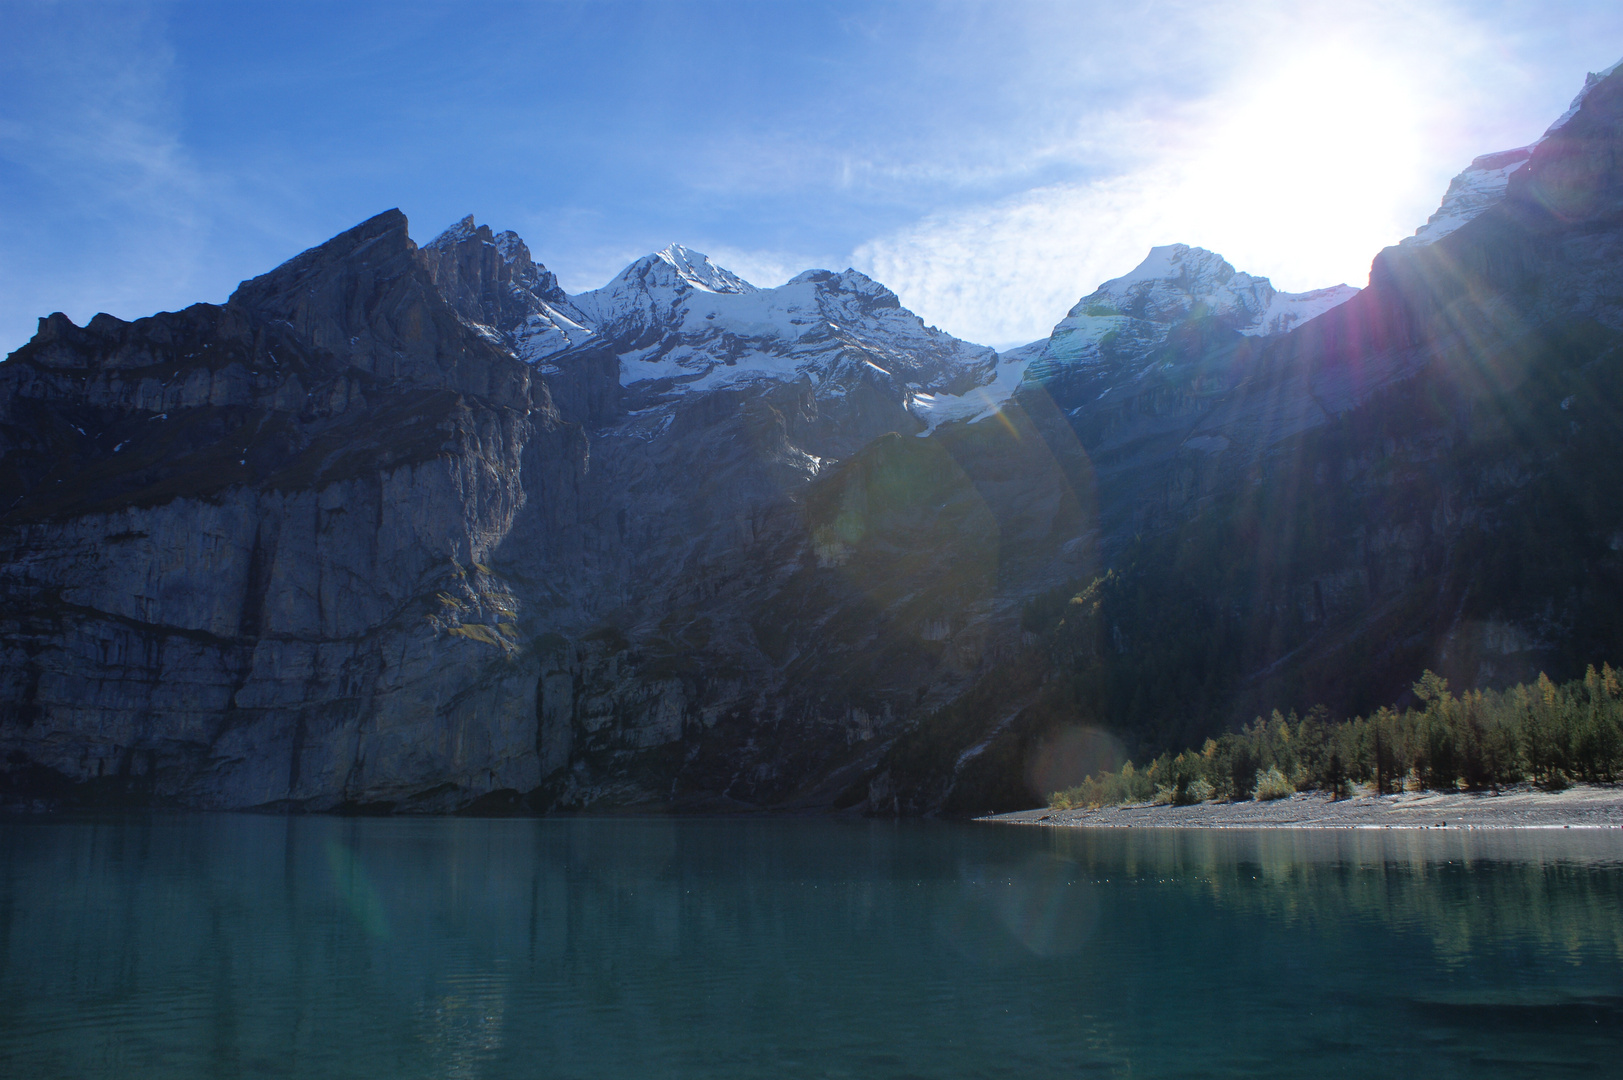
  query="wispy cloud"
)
[
  {"x": 1327, "y": 139},
  {"x": 107, "y": 205},
  {"x": 87, "y": 143},
  {"x": 989, "y": 161}
]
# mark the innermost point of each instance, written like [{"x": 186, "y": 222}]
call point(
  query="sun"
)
[{"x": 1311, "y": 167}]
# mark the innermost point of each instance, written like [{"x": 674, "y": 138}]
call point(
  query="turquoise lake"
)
[{"x": 241, "y": 946}]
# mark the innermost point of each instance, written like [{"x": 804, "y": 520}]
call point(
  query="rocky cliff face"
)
[
  {"x": 411, "y": 528},
  {"x": 244, "y": 545}
]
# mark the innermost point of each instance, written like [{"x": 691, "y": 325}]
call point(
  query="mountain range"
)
[{"x": 410, "y": 528}]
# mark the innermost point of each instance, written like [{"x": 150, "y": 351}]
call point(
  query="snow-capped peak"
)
[
  {"x": 1179, "y": 282},
  {"x": 511, "y": 248},
  {"x": 1176, "y": 282},
  {"x": 494, "y": 284},
  {"x": 1590, "y": 81},
  {"x": 1484, "y": 182},
  {"x": 1480, "y": 186},
  {"x": 462, "y": 230},
  {"x": 697, "y": 270},
  {"x": 1175, "y": 262},
  {"x": 682, "y": 324},
  {"x": 1123, "y": 321}
]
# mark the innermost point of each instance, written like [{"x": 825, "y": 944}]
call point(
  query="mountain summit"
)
[
  {"x": 1124, "y": 321},
  {"x": 697, "y": 270}
]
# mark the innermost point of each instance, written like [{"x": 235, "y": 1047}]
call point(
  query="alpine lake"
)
[{"x": 182, "y": 946}]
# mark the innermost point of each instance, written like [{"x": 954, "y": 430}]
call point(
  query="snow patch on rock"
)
[
  {"x": 1484, "y": 182},
  {"x": 1479, "y": 187},
  {"x": 697, "y": 326},
  {"x": 982, "y": 401},
  {"x": 698, "y": 271},
  {"x": 521, "y": 305}
]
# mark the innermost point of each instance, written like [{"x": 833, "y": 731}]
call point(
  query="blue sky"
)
[{"x": 990, "y": 162}]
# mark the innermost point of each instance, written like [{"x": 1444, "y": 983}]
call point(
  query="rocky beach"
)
[{"x": 1598, "y": 806}]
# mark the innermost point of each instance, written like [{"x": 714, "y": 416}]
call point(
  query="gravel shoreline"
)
[{"x": 1586, "y": 806}]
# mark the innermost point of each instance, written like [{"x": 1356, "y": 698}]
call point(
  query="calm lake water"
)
[{"x": 225, "y": 946}]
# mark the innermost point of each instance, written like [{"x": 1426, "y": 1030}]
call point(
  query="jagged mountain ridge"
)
[
  {"x": 678, "y": 324},
  {"x": 577, "y": 509},
  {"x": 334, "y": 542},
  {"x": 415, "y": 529},
  {"x": 491, "y": 280}
]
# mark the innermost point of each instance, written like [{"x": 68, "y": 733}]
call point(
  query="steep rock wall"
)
[{"x": 272, "y": 586}]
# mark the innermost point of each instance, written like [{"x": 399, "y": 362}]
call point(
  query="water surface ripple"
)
[{"x": 240, "y": 946}]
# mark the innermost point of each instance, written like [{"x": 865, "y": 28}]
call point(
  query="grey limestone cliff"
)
[{"x": 244, "y": 546}]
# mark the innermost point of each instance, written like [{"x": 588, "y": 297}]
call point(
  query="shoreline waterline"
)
[{"x": 1586, "y": 806}]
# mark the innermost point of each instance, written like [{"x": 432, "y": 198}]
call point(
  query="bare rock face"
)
[
  {"x": 494, "y": 285},
  {"x": 244, "y": 545}
]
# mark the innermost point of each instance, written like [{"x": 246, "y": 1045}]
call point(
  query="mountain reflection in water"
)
[{"x": 182, "y": 946}]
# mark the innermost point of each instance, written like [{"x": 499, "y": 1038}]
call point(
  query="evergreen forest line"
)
[{"x": 1541, "y": 732}]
